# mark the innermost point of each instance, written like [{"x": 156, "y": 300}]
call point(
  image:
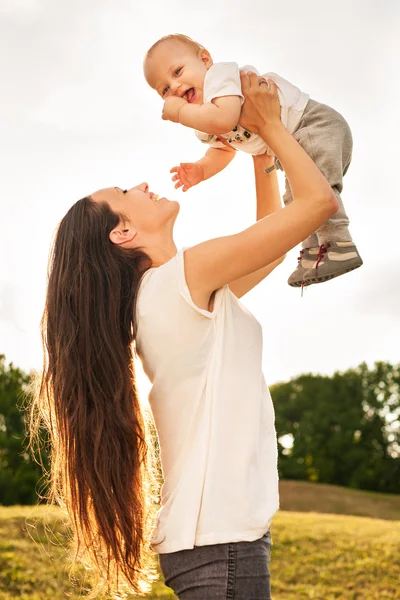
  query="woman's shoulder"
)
[
  {"x": 166, "y": 286},
  {"x": 159, "y": 276}
]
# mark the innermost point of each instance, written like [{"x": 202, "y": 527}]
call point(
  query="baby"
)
[{"x": 207, "y": 97}]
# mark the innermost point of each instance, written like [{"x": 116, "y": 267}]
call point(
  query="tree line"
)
[{"x": 343, "y": 430}]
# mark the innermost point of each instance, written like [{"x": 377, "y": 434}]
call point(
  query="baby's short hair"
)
[{"x": 179, "y": 37}]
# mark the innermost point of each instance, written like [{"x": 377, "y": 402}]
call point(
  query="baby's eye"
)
[
  {"x": 165, "y": 90},
  {"x": 177, "y": 71}
]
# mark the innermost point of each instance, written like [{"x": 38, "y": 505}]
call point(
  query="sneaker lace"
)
[
  {"x": 300, "y": 257},
  {"x": 323, "y": 249}
]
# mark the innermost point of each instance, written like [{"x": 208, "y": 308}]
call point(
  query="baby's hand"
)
[
  {"x": 187, "y": 175},
  {"x": 171, "y": 108}
]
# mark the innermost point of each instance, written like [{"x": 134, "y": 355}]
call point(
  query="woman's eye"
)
[{"x": 124, "y": 191}]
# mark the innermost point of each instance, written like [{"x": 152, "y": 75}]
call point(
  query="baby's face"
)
[{"x": 176, "y": 69}]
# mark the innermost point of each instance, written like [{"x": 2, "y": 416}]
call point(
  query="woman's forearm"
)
[
  {"x": 267, "y": 189},
  {"x": 305, "y": 179}
]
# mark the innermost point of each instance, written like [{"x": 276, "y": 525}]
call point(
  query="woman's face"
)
[{"x": 143, "y": 212}]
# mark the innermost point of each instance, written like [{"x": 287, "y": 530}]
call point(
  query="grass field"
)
[
  {"x": 315, "y": 556},
  {"x": 302, "y": 496}
]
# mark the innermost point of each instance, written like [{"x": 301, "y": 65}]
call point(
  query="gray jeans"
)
[
  {"x": 232, "y": 571},
  {"x": 326, "y": 137}
]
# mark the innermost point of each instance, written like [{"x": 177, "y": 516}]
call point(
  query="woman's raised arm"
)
[
  {"x": 268, "y": 201},
  {"x": 220, "y": 261}
]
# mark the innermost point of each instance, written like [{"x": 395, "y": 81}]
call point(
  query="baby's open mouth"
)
[{"x": 190, "y": 95}]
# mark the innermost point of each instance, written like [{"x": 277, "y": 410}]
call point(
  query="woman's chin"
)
[{"x": 175, "y": 206}]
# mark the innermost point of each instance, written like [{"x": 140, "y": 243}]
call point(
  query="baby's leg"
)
[
  {"x": 310, "y": 246},
  {"x": 326, "y": 137}
]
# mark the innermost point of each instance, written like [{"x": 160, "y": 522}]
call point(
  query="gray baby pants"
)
[{"x": 326, "y": 137}]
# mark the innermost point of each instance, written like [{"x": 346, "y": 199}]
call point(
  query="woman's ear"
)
[{"x": 122, "y": 234}]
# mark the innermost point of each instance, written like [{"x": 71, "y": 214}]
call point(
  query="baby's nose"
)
[{"x": 175, "y": 89}]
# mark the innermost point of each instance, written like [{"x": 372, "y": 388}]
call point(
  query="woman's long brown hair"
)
[{"x": 87, "y": 398}]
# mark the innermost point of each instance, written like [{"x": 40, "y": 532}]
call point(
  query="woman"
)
[{"x": 116, "y": 278}]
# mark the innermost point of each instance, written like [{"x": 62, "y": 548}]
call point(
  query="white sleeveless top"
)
[{"x": 213, "y": 413}]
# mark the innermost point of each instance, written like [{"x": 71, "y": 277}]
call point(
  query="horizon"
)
[{"x": 78, "y": 115}]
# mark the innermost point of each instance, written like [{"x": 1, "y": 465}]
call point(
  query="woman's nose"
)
[{"x": 143, "y": 187}]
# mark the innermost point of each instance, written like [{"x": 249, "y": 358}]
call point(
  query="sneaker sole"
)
[
  {"x": 300, "y": 283},
  {"x": 323, "y": 278}
]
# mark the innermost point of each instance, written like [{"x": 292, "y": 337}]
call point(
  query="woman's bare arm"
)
[
  {"x": 268, "y": 201},
  {"x": 220, "y": 261}
]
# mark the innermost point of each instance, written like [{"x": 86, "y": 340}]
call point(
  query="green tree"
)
[
  {"x": 19, "y": 473},
  {"x": 344, "y": 429}
]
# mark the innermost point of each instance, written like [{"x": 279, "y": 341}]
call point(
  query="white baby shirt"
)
[
  {"x": 223, "y": 79},
  {"x": 213, "y": 413}
]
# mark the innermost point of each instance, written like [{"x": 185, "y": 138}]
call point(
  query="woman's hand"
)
[{"x": 261, "y": 107}]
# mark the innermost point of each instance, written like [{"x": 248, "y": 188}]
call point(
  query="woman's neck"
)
[{"x": 162, "y": 252}]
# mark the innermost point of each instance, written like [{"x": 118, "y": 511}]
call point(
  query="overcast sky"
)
[{"x": 77, "y": 115}]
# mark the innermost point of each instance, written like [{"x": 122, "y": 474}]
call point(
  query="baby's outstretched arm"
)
[
  {"x": 214, "y": 161},
  {"x": 219, "y": 116}
]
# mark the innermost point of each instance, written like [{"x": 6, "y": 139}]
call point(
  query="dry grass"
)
[
  {"x": 326, "y": 557},
  {"x": 303, "y": 496},
  {"x": 315, "y": 556}
]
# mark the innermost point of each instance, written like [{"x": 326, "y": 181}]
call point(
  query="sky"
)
[{"x": 77, "y": 115}]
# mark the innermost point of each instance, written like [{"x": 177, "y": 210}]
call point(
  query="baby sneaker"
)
[
  {"x": 334, "y": 259},
  {"x": 305, "y": 261}
]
